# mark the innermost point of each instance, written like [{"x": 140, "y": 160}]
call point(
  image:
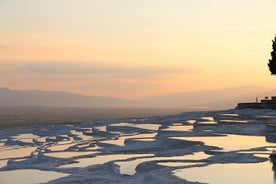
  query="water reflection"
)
[
  {"x": 230, "y": 115},
  {"x": 26, "y": 138},
  {"x": 229, "y": 173},
  {"x": 3, "y": 163},
  {"x": 179, "y": 128},
  {"x": 69, "y": 154},
  {"x": 128, "y": 167},
  {"x": 231, "y": 142},
  {"x": 232, "y": 121},
  {"x": 179, "y": 164},
  {"x": 121, "y": 140},
  {"x": 103, "y": 159},
  {"x": 16, "y": 152},
  {"x": 29, "y": 176},
  {"x": 147, "y": 126}
]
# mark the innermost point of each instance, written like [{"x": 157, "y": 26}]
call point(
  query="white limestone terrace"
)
[{"x": 147, "y": 150}]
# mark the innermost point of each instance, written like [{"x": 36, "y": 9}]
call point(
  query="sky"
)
[{"x": 134, "y": 49}]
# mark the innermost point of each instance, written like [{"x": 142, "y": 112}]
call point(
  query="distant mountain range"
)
[
  {"x": 10, "y": 97},
  {"x": 210, "y": 99}
]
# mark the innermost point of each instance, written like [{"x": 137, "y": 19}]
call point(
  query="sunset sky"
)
[{"x": 135, "y": 48}]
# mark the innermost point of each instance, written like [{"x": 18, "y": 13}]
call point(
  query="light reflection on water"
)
[
  {"x": 121, "y": 140},
  {"x": 128, "y": 167},
  {"x": 208, "y": 118},
  {"x": 29, "y": 176},
  {"x": 147, "y": 126},
  {"x": 231, "y": 142},
  {"x": 179, "y": 128},
  {"x": 27, "y": 138},
  {"x": 101, "y": 128},
  {"x": 255, "y": 173},
  {"x": 17, "y": 152},
  {"x": 62, "y": 146},
  {"x": 103, "y": 159},
  {"x": 233, "y": 121},
  {"x": 179, "y": 164},
  {"x": 191, "y": 121},
  {"x": 3, "y": 163},
  {"x": 230, "y": 115},
  {"x": 68, "y": 154},
  {"x": 81, "y": 135}
]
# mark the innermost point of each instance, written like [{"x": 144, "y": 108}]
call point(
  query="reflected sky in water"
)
[
  {"x": 232, "y": 142},
  {"x": 229, "y": 173},
  {"x": 29, "y": 176}
]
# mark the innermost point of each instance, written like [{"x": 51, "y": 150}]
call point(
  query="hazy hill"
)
[
  {"x": 213, "y": 99},
  {"x": 56, "y": 99}
]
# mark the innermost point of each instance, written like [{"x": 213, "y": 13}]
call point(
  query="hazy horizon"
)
[
  {"x": 264, "y": 89},
  {"x": 135, "y": 49},
  {"x": 226, "y": 98}
]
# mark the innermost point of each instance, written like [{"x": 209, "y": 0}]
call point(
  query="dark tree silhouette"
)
[{"x": 272, "y": 61}]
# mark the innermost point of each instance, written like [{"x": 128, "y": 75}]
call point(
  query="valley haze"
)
[
  {"x": 32, "y": 107},
  {"x": 206, "y": 99}
]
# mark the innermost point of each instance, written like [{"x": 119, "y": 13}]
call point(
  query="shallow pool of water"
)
[
  {"x": 230, "y": 115},
  {"x": 121, "y": 140},
  {"x": 179, "y": 128},
  {"x": 26, "y": 138},
  {"x": 191, "y": 121},
  {"x": 233, "y": 121},
  {"x": 146, "y": 126},
  {"x": 101, "y": 159},
  {"x": 179, "y": 164},
  {"x": 81, "y": 135},
  {"x": 208, "y": 118},
  {"x": 62, "y": 146},
  {"x": 230, "y": 173},
  {"x": 128, "y": 167},
  {"x": 16, "y": 152},
  {"x": 101, "y": 128},
  {"x": 69, "y": 154},
  {"x": 231, "y": 142},
  {"x": 3, "y": 163},
  {"x": 29, "y": 176}
]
